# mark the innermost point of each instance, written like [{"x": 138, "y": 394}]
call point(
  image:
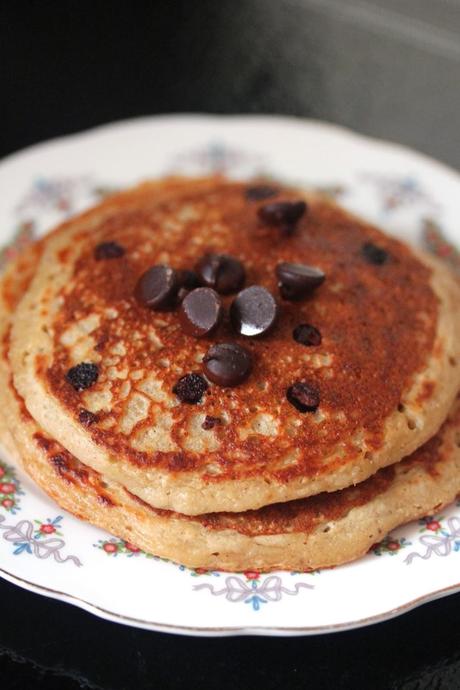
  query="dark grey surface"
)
[
  {"x": 418, "y": 651},
  {"x": 387, "y": 68}
]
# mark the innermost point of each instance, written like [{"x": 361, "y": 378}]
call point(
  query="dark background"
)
[
  {"x": 389, "y": 68},
  {"x": 386, "y": 68}
]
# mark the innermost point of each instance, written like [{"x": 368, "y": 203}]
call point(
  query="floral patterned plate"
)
[{"x": 45, "y": 550}]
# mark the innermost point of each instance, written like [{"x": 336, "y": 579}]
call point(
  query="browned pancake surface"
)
[
  {"x": 377, "y": 325},
  {"x": 299, "y": 516},
  {"x": 320, "y": 531}
]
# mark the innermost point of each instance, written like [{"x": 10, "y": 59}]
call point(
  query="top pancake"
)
[{"x": 386, "y": 368}]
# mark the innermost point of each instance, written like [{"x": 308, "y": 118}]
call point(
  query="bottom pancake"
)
[{"x": 306, "y": 534}]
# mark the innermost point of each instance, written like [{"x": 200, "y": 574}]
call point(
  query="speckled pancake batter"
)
[
  {"x": 319, "y": 531},
  {"x": 99, "y": 370}
]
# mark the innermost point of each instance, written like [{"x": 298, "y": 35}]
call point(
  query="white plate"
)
[{"x": 44, "y": 549}]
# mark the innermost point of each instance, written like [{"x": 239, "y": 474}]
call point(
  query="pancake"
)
[
  {"x": 306, "y": 534},
  {"x": 316, "y": 532},
  {"x": 386, "y": 369},
  {"x": 14, "y": 283}
]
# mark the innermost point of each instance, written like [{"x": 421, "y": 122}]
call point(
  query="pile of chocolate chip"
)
[{"x": 253, "y": 311}]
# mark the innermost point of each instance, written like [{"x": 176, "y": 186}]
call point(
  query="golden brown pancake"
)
[
  {"x": 316, "y": 532},
  {"x": 319, "y": 531},
  {"x": 386, "y": 368}
]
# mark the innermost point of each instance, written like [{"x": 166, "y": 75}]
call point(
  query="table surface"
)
[{"x": 389, "y": 69}]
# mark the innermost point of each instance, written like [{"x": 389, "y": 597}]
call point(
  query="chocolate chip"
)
[
  {"x": 188, "y": 279},
  {"x": 182, "y": 294},
  {"x": 87, "y": 418},
  {"x": 108, "y": 250},
  {"x": 253, "y": 311},
  {"x": 227, "y": 364},
  {"x": 260, "y": 192},
  {"x": 190, "y": 388},
  {"x": 303, "y": 396},
  {"x": 210, "y": 422},
  {"x": 222, "y": 272},
  {"x": 157, "y": 288},
  {"x": 306, "y": 335},
  {"x": 282, "y": 214},
  {"x": 296, "y": 281},
  {"x": 373, "y": 254},
  {"x": 83, "y": 375},
  {"x": 201, "y": 312}
]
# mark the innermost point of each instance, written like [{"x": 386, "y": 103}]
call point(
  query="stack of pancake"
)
[{"x": 290, "y": 425}]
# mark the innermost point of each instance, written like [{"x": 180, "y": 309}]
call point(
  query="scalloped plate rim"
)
[
  {"x": 227, "y": 631},
  {"x": 112, "y": 126}
]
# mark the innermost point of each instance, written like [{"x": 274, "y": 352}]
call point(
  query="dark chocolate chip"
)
[
  {"x": 157, "y": 288},
  {"x": 296, "y": 281},
  {"x": 227, "y": 364},
  {"x": 108, "y": 250},
  {"x": 303, "y": 396},
  {"x": 201, "y": 312},
  {"x": 210, "y": 422},
  {"x": 222, "y": 272},
  {"x": 282, "y": 214},
  {"x": 373, "y": 254},
  {"x": 260, "y": 192},
  {"x": 83, "y": 375},
  {"x": 253, "y": 311},
  {"x": 188, "y": 279},
  {"x": 87, "y": 418},
  {"x": 306, "y": 335},
  {"x": 182, "y": 294},
  {"x": 190, "y": 388}
]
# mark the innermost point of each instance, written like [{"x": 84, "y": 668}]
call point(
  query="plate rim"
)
[
  {"x": 226, "y": 631},
  {"x": 254, "y": 118}
]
